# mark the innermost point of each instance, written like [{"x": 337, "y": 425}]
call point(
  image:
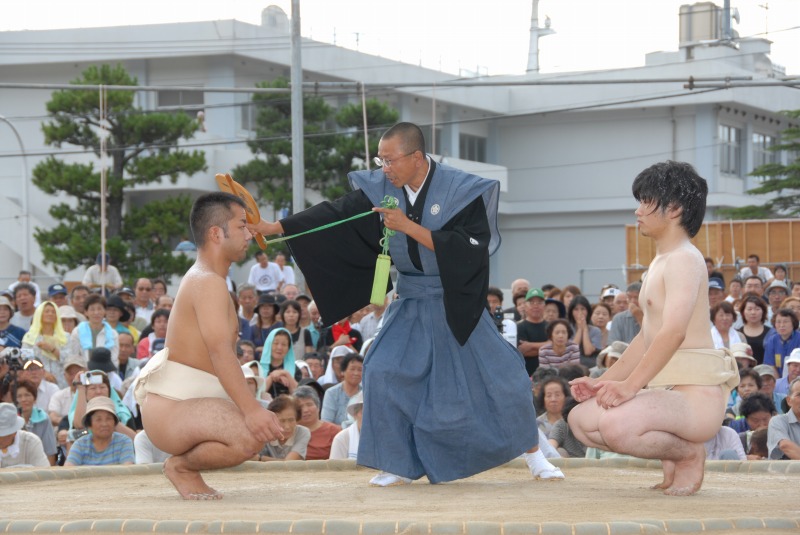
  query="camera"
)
[
  {"x": 75, "y": 434},
  {"x": 498, "y": 318},
  {"x": 13, "y": 357},
  {"x": 90, "y": 378}
]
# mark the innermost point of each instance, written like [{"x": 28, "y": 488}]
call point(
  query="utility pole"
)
[{"x": 298, "y": 155}]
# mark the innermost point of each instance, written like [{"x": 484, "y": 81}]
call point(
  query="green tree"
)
[
  {"x": 142, "y": 149},
  {"x": 781, "y": 180},
  {"x": 333, "y": 144}
]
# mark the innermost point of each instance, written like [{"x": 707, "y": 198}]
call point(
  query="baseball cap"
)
[
  {"x": 766, "y": 369},
  {"x": 55, "y": 289},
  {"x": 715, "y": 284},
  {"x": 534, "y": 292},
  {"x": 610, "y": 292}
]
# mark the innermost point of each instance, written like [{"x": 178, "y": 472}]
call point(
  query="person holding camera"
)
[
  {"x": 96, "y": 383},
  {"x": 506, "y": 326},
  {"x": 103, "y": 446}
]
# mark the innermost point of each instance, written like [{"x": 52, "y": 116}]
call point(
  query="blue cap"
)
[
  {"x": 55, "y": 289},
  {"x": 715, "y": 284}
]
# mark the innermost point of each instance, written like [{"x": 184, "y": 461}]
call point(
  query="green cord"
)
[
  {"x": 323, "y": 227},
  {"x": 388, "y": 202}
]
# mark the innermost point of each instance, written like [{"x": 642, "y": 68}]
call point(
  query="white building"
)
[{"x": 566, "y": 155}]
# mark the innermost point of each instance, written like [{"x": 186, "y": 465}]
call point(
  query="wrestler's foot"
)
[
  {"x": 669, "y": 475},
  {"x": 688, "y": 474},
  {"x": 385, "y": 479},
  {"x": 189, "y": 484},
  {"x": 541, "y": 468}
]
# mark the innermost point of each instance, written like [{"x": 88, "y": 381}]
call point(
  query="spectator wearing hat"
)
[
  {"x": 769, "y": 379},
  {"x": 102, "y": 274},
  {"x": 345, "y": 443},
  {"x": 95, "y": 331},
  {"x": 791, "y": 373},
  {"x": 103, "y": 446},
  {"x": 776, "y": 292},
  {"x": 267, "y": 310},
  {"x": 256, "y": 383},
  {"x": 608, "y": 357},
  {"x": 554, "y": 309},
  {"x": 532, "y": 331},
  {"x": 33, "y": 371},
  {"x": 743, "y": 355},
  {"x": 322, "y": 432},
  {"x": 47, "y": 341},
  {"x": 36, "y": 420},
  {"x": 60, "y": 402},
  {"x": 626, "y": 325},
  {"x": 18, "y": 447},
  {"x": 25, "y": 299},
  {"x": 57, "y": 293},
  {"x": 716, "y": 291},
  {"x": 722, "y": 332},
  {"x": 97, "y": 383},
  {"x": 608, "y": 293},
  {"x": 69, "y": 318},
  {"x": 785, "y": 340},
  {"x": 77, "y": 298},
  {"x": 294, "y": 444},
  {"x": 783, "y": 437},
  {"x": 117, "y": 313},
  {"x": 10, "y": 335}
]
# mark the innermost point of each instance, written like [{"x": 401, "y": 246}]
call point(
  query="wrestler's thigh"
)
[
  {"x": 177, "y": 426},
  {"x": 695, "y": 416},
  {"x": 583, "y": 420}
]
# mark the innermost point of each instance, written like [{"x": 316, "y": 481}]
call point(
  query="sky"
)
[{"x": 457, "y": 36}]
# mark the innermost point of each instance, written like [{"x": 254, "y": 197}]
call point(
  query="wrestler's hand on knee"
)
[
  {"x": 583, "y": 388},
  {"x": 614, "y": 393},
  {"x": 264, "y": 425}
]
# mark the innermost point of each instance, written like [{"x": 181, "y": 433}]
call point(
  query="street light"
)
[{"x": 26, "y": 264}]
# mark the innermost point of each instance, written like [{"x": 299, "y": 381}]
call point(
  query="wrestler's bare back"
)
[{"x": 184, "y": 337}]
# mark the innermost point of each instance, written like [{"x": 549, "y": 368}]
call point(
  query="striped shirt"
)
[
  {"x": 119, "y": 451},
  {"x": 549, "y": 358}
]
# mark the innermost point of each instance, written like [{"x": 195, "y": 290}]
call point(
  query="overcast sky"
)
[{"x": 449, "y": 34}]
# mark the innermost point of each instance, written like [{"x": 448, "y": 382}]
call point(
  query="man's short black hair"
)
[
  {"x": 411, "y": 135},
  {"x": 674, "y": 185},
  {"x": 212, "y": 210},
  {"x": 754, "y": 256},
  {"x": 28, "y": 287}
]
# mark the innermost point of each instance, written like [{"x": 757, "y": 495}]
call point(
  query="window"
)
[
  {"x": 426, "y": 132},
  {"x": 762, "y": 154},
  {"x": 472, "y": 148},
  {"x": 730, "y": 150},
  {"x": 189, "y": 102}
]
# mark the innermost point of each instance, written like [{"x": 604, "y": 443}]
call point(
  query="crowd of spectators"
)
[{"x": 69, "y": 358}]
